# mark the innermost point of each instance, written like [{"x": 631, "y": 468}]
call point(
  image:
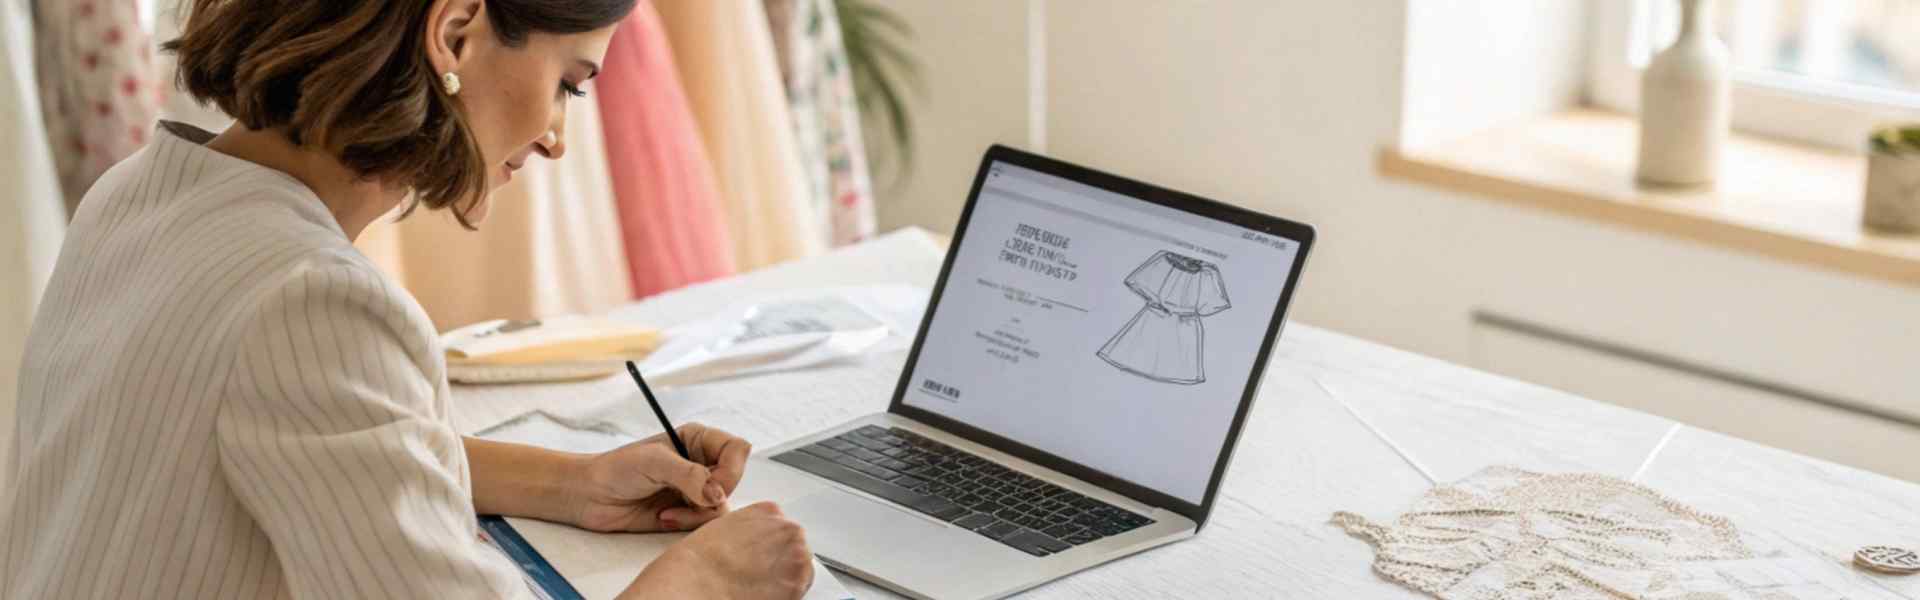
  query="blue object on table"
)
[{"x": 538, "y": 570}]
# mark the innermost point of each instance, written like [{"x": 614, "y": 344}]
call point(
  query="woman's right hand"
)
[{"x": 750, "y": 554}]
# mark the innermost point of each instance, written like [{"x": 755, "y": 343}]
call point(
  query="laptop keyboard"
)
[{"x": 973, "y": 493}]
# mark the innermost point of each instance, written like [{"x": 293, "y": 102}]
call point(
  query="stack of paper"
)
[{"x": 556, "y": 349}]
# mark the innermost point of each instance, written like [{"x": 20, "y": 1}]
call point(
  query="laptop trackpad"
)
[{"x": 889, "y": 542}]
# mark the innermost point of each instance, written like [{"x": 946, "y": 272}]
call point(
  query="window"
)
[{"x": 1821, "y": 71}]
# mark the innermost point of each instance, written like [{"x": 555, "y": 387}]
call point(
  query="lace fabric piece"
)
[{"x": 1505, "y": 533}]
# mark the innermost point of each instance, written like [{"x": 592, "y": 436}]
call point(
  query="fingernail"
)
[{"x": 715, "y": 494}]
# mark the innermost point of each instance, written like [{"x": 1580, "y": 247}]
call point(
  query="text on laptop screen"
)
[{"x": 1110, "y": 331}]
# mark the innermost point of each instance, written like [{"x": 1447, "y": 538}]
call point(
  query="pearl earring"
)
[{"x": 451, "y": 82}]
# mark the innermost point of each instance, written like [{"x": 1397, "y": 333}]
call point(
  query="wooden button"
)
[{"x": 1888, "y": 559}]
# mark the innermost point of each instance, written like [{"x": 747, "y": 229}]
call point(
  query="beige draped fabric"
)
[
  {"x": 34, "y": 218},
  {"x": 724, "y": 51},
  {"x": 550, "y": 244}
]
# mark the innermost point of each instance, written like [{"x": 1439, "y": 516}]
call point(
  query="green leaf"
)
[
  {"x": 1910, "y": 136},
  {"x": 872, "y": 15},
  {"x": 884, "y": 71},
  {"x": 1896, "y": 139}
]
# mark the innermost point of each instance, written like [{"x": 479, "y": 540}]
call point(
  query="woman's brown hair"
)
[{"x": 351, "y": 77}]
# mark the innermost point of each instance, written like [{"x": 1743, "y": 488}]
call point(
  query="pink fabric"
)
[
  {"x": 663, "y": 181},
  {"x": 723, "y": 51}
]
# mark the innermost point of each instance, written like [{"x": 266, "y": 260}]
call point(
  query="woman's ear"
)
[{"x": 451, "y": 26}]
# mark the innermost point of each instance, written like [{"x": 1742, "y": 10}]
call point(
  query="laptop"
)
[{"x": 1087, "y": 359}]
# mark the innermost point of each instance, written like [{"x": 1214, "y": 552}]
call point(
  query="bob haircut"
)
[{"x": 351, "y": 77}]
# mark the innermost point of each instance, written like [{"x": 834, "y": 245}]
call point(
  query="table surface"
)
[{"x": 1322, "y": 437}]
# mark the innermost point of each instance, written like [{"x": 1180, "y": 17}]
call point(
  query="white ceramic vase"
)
[
  {"x": 1685, "y": 104},
  {"x": 1893, "y": 192}
]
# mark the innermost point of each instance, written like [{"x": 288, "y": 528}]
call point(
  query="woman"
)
[{"x": 223, "y": 399}]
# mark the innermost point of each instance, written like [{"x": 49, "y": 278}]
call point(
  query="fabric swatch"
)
[
  {"x": 98, "y": 89},
  {"x": 724, "y": 53},
  {"x": 663, "y": 181},
  {"x": 826, "y": 116}
]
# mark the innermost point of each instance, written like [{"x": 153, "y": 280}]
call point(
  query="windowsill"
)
[{"x": 1777, "y": 200}]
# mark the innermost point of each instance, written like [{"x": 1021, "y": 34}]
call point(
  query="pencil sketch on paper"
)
[{"x": 1165, "y": 341}]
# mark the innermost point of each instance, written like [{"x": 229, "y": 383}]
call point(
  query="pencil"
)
[{"x": 655, "y": 403}]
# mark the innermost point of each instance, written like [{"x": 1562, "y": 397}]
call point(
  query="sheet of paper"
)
[
  {"x": 817, "y": 315},
  {"x": 1781, "y": 577},
  {"x": 601, "y": 565},
  {"x": 770, "y": 335},
  {"x": 1779, "y": 570},
  {"x": 787, "y": 331},
  {"x": 560, "y": 432}
]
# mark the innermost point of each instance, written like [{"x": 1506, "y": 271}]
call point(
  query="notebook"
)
[
  {"x": 561, "y": 562},
  {"x": 565, "y": 348}
]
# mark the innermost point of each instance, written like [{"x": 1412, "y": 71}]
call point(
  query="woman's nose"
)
[{"x": 551, "y": 146}]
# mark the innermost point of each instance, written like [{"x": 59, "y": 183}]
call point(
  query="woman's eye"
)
[{"x": 572, "y": 90}]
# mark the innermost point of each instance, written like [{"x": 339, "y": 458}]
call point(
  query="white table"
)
[{"x": 1307, "y": 450}]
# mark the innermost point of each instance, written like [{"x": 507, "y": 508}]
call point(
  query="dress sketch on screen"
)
[{"x": 1165, "y": 340}]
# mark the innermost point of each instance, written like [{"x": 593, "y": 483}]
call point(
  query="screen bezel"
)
[{"x": 1297, "y": 232}]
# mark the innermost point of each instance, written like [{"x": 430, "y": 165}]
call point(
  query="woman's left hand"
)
[{"x": 645, "y": 486}]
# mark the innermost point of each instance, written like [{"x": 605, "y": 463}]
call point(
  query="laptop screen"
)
[{"x": 1109, "y": 331}]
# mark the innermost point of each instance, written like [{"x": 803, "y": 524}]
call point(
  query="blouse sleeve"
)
[
  {"x": 1212, "y": 292},
  {"x": 1147, "y": 279},
  {"x": 330, "y": 437}
]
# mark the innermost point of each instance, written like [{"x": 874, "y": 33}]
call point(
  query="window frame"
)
[{"x": 1803, "y": 109}]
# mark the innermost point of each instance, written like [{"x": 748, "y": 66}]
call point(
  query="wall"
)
[
  {"x": 1472, "y": 64},
  {"x": 973, "y": 56},
  {"x": 1275, "y": 106},
  {"x": 1282, "y": 107}
]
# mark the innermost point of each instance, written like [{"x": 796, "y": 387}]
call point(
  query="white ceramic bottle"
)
[{"x": 1685, "y": 104}]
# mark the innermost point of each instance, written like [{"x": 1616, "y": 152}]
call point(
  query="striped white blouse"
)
[{"x": 221, "y": 398}]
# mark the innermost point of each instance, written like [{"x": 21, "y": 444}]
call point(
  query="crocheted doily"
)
[{"x": 1505, "y": 533}]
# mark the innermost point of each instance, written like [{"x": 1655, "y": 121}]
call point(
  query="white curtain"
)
[
  {"x": 723, "y": 50},
  {"x": 32, "y": 218}
]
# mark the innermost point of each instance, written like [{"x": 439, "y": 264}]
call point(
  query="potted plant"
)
[
  {"x": 1893, "y": 179},
  {"x": 885, "y": 71}
]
